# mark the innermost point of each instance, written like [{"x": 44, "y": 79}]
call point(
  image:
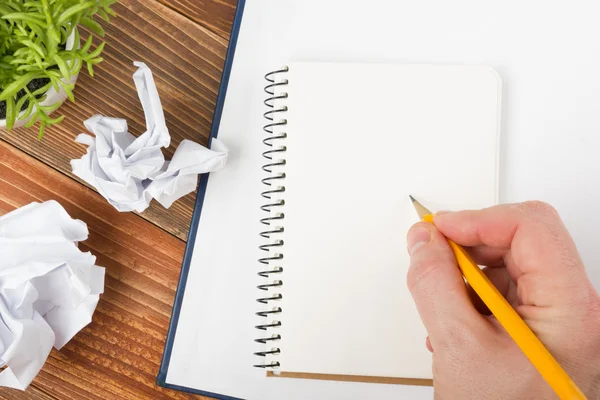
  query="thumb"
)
[{"x": 437, "y": 285}]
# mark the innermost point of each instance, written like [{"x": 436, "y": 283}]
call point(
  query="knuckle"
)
[
  {"x": 539, "y": 208},
  {"x": 421, "y": 271}
]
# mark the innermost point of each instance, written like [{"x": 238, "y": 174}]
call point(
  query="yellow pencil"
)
[{"x": 518, "y": 330}]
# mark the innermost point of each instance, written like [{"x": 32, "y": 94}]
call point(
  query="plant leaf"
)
[
  {"x": 68, "y": 13},
  {"x": 54, "y": 81},
  {"x": 97, "y": 51},
  {"x": 49, "y": 108},
  {"x": 93, "y": 25},
  {"x": 55, "y": 120},
  {"x": 87, "y": 44},
  {"x": 21, "y": 103},
  {"x": 10, "y": 113},
  {"x": 109, "y": 10},
  {"x": 25, "y": 17},
  {"x": 17, "y": 85},
  {"x": 104, "y": 15},
  {"x": 41, "y": 131},
  {"x": 77, "y": 38},
  {"x": 69, "y": 91},
  {"x": 34, "y": 118},
  {"x": 42, "y": 90},
  {"x": 28, "y": 111},
  {"x": 35, "y": 47},
  {"x": 62, "y": 66}
]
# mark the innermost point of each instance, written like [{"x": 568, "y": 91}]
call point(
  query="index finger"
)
[{"x": 540, "y": 254}]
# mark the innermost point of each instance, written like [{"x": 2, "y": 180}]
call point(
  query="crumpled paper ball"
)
[
  {"x": 49, "y": 289},
  {"x": 128, "y": 171}
]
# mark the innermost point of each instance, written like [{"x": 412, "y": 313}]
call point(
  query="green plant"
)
[{"x": 34, "y": 57}]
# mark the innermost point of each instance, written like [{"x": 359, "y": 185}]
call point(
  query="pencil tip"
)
[{"x": 421, "y": 210}]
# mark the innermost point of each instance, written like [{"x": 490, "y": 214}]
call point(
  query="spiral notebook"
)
[
  {"x": 345, "y": 145},
  {"x": 317, "y": 235}
]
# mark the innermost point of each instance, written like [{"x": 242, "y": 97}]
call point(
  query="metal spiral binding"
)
[{"x": 272, "y": 258}]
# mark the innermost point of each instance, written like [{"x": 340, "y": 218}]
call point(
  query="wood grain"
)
[
  {"x": 186, "y": 60},
  {"x": 216, "y": 15},
  {"x": 32, "y": 393},
  {"x": 117, "y": 356}
]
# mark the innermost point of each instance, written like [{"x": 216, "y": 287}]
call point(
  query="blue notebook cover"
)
[{"x": 187, "y": 257}]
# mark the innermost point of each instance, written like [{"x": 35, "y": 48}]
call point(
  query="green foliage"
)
[{"x": 33, "y": 37}]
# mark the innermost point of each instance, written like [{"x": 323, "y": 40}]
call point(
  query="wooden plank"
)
[
  {"x": 186, "y": 61},
  {"x": 32, "y": 393},
  {"x": 118, "y": 355},
  {"x": 216, "y": 15}
]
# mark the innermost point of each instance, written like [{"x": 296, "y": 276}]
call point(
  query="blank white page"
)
[{"x": 361, "y": 138}]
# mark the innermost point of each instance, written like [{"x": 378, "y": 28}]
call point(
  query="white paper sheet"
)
[
  {"x": 49, "y": 289},
  {"x": 347, "y": 208},
  {"x": 130, "y": 171}
]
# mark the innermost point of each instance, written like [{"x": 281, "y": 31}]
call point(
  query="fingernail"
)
[
  {"x": 440, "y": 214},
  {"x": 417, "y": 237}
]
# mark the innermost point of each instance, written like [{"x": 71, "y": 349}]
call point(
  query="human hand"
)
[{"x": 532, "y": 260}]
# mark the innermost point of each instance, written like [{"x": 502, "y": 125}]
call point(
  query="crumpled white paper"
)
[
  {"x": 49, "y": 289},
  {"x": 130, "y": 171}
]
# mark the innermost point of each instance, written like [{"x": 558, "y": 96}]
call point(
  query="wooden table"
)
[{"x": 117, "y": 356}]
